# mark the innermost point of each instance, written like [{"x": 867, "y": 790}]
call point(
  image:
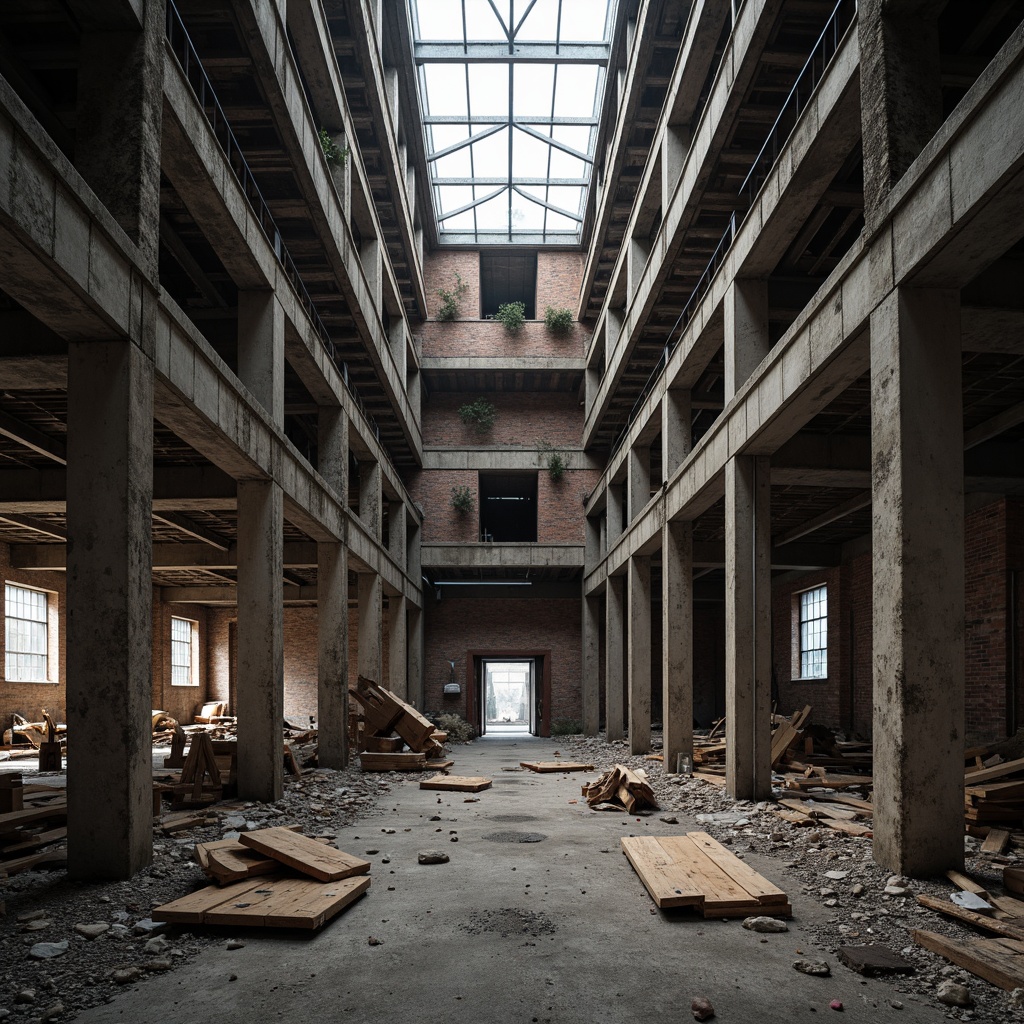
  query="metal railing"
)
[
  {"x": 843, "y": 15},
  {"x": 184, "y": 52}
]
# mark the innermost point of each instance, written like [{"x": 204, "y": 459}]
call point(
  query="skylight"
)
[{"x": 511, "y": 93}]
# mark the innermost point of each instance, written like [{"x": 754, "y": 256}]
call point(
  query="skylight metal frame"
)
[{"x": 480, "y": 123}]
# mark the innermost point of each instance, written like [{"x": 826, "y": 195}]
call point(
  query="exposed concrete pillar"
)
[
  {"x": 615, "y": 657},
  {"x": 676, "y": 430},
  {"x": 370, "y": 259},
  {"x": 397, "y": 344},
  {"x": 748, "y": 661},
  {"x": 261, "y": 350},
  {"x": 591, "y": 684},
  {"x": 677, "y": 640},
  {"x": 398, "y": 646},
  {"x": 674, "y": 149},
  {"x": 746, "y": 331},
  {"x": 260, "y": 687},
  {"x": 341, "y": 175},
  {"x": 414, "y": 550},
  {"x": 118, "y": 124},
  {"x": 613, "y": 513},
  {"x": 332, "y": 653},
  {"x": 593, "y": 542},
  {"x": 109, "y": 600},
  {"x": 370, "y": 658},
  {"x": 332, "y": 448},
  {"x": 901, "y": 90},
  {"x": 414, "y": 617},
  {"x": 371, "y": 498},
  {"x": 639, "y": 659},
  {"x": 638, "y": 481},
  {"x": 397, "y": 532},
  {"x": 917, "y": 539},
  {"x": 638, "y": 253},
  {"x": 603, "y": 548}
]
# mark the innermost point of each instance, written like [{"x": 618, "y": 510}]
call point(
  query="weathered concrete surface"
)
[
  {"x": 608, "y": 959},
  {"x": 677, "y": 640},
  {"x": 638, "y": 589},
  {"x": 332, "y": 654},
  {"x": 615, "y": 655}
]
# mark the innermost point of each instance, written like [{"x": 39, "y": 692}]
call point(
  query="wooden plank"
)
[
  {"x": 370, "y": 762},
  {"x": 270, "y": 902},
  {"x": 987, "y": 958},
  {"x": 651, "y": 862},
  {"x": 740, "y": 872},
  {"x": 546, "y": 767},
  {"x": 1000, "y": 771},
  {"x": 795, "y": 817},
  {"x": 962, "y": 881},
  {"x": 15, "y": 819},
  {"x": 719, "y": 889},
  {"x": 304, "y": 854},
  {"x": 1013, "y": 879},
  {"x": 12, "y": 867},
  {"x": 997, "y": 840},
  {"x": 34, "y": 842},
  {"x": 228, "y": 861},
  {"x": 1010, "y": 929},
  {"x": 850, "y": 828},
  {"x": 457, "y": 783}
]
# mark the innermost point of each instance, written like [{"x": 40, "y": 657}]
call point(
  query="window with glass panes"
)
[
  {"x": 181, "y": 652},
  {"x": 814, "y": 633},
  {"x": 26, "y": 635}
]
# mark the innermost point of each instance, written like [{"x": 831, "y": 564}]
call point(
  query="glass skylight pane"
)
[
  {"x": 574, "y": 94},
  {"x": 533, "y": 90},
  {"x": 584, "y": 22},
  {"x": 490, "y": 155},
  {"x": 542, "y": 22},
  {"x": 445, "y": 135},
  {"x": 455, "y": 165},
  {"x": 488, "y": 88},
  {"x": 440, "y": 19},
  {"x": 481, "y": 24},
  {"x": 445, "y": 88},
  {"x": 494, "y": 213},
  {"x": 529, "y": 156},
  {"x": 576, "y": 136},
  {"x": 451, "y": 197},
  {"x": 556, "y": 222},
  {"x": 565, "y": 166},
  {"x": 526, "y": 216}
]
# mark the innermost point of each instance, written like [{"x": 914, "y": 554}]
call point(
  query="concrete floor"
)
[{"x": 608, "y": 959}]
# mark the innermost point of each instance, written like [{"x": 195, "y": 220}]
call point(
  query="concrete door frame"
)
[{"x": 474, "y": 698}]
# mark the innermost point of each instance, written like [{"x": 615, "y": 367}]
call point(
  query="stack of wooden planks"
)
[
  {"x": 693, "y": 870},
  {"x": 457, "y": 783},
  {"x": 272, "y": 878},
  {"x": 32, "y": 827},
  {"x": 388, "y": 724},
  {"x": 620, "y": 789},
  {"x": 994, "y": 797},
  {"x": 999, "y": 958},
  {"x": 549, "y": 767},
  {"x": 837, "y": 811}
]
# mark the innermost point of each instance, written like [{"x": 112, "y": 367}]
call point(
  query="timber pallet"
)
[{"x": 693, "y": 870}]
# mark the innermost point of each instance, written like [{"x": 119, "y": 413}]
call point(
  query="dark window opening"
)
[
  {"x": 508, "y": 277},
  {"x": 508, "y": 507}
]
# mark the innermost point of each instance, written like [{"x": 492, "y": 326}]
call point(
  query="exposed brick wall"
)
[
  {"x": 523, "y": 420},
  {"x": 180, "y": 702},
  {"x": 29, "y": 699},
  {"x": 456, "y": 625}
]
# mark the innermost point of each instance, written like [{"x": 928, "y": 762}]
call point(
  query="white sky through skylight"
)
[{"x": 510, "y": 136}]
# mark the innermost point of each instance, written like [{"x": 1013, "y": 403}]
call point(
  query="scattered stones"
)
[
  {"x": 701, "y": 1008},
  {"x": 818, "y": 968},
  {"x": 952, "y": 994},
  {"x": 156, "y": 946},
  {"x": 37, "y": 925},
  {"x": 672, "y": 820},
  {"x": 234, "y": 944},
  {"x": 1017, "y": 998},
  {"x": 26, "y": 995},
  {"x": 92, "y": 931},
  {"x": 836, "y": 1004},
  {"x": 48, "y": 950},
  {"x": 374, "y": 941},
  {"x": 125, "y": 975},
  {"x": 52, "y": 1012},
  {"x": 432, "y": 857},
  {"x": 765, "y": 924}
]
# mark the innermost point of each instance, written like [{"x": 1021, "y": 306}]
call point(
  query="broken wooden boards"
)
[
  {"x": 693, "y": 870},
  {"x": 268, "y": 902},
  {"x": 228, "y": 861},
  {"x": 620, "y": 788},
  {"x": 408, "y": 761},
  {"x": 546, "y": 767},
  {"x": 1000, "y": 961},
  {"x": 24, "y": 832},
  {"x": 457, "y": 783},
  {"x": 297, "y": 851}
]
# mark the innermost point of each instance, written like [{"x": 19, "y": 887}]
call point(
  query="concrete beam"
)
[
  {"x": 332, "y": 655},
  {"x": 615, "y": 658},
  {"x": 677, "y": 642},
  {"x": 638, "y": 596},
  {"x": 510, "y": 556}
]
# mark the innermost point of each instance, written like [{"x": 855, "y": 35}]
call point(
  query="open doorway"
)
[{"x": 509, "y": 705}]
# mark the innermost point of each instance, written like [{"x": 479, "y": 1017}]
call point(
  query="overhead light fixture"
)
[{"x": 483, "y": 583}]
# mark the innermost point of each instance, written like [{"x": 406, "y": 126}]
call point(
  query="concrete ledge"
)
[{"x": 503, "y": 556}]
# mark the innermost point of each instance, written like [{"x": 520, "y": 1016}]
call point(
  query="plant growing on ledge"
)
[
  {"x": 512, "y": 315},
  {"x": 462, "y": 500},
  {"x": 451, "y": 299},
  {"x": 480, "y": 413},
  {"x": 558, "y": 321},
  {"x": 556, "y": 466},
  {"x": 334, "y": 154}
]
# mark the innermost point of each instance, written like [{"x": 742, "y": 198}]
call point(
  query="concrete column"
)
[
  {"x": 593, "y": 542},
  {"x": 917, "y": 539},
  {"x": 398, "y": 649},
  {"x": 260, "y": 687},
  {"x": 332, "y": 653},
  {"x": 674, "y": 148},
  {"x": 746, "y": 331},
  {"x": 397, "y": 343},
  {"x": 332, "y": 448},
  {"x": 901, "y": 90},
  {"x": 677, "y": 640},
  {"x": 615, "y": 657},
  {"x": 676, "y": 430},
  {"x": 118, "y": 120},
  {"x": 414, "y": 617},
  {"x": 370, "y": 657},
  {"x": 613, "y": 513},
  {"x": 638, "y": 481},
  {"x": 396, "y": 532},
  {"x": 109, "y": 616},
  {"x": 639, "y": 253},
  {"x": 591, "y": 683},
  {"x": 341, "y": 175},
  {"x": 414, "y": 551},
  {"x": 639, "y": 658},
  {"x": 603, "y": 548},
  {"x": 261, "y": 350},
  {"x": 748, "y": 662},
  {"x": 371, "y": 498},
  {"x": 370, "y": 259}
]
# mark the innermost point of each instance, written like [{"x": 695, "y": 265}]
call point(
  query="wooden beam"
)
[
  {"x": 38, "y": 525},
  {"x": 193, "y": 529},
  {"x": 35, "y": 440}
]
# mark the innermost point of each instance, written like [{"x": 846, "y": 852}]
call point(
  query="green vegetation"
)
[
  {"x": 512, "y": 315},
  {"x": 458, "y": 729},
  {"x": 556, "y": 465},
  {"x": 462, "y": 500},
  {"x": 451, "y": 300},
  {"x": 480, "y": 413},
  {"x": 335, "y": 155},
  {"x": 558, "y": 321}
]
